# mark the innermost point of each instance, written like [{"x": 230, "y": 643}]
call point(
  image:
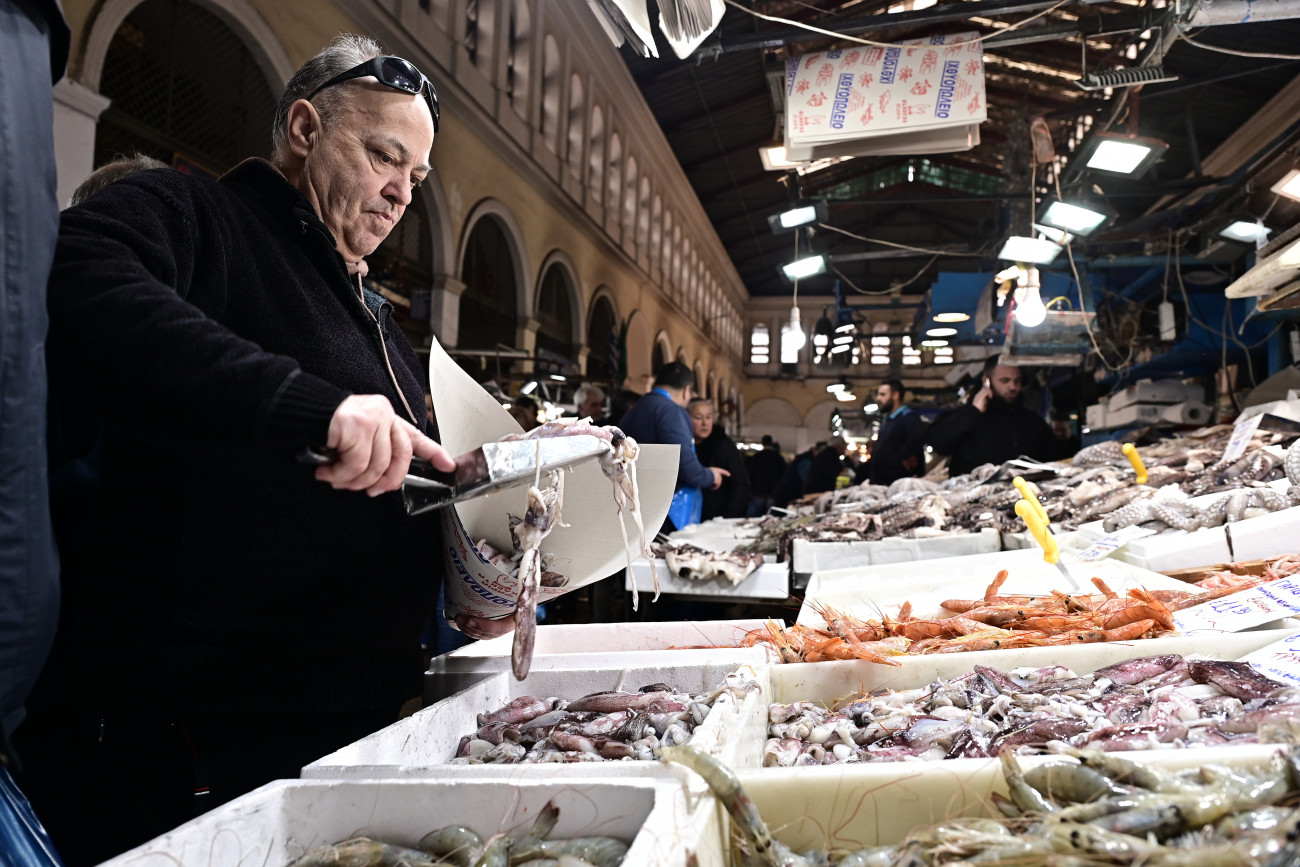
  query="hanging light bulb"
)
[
  {"x": 1030, "y": 310},
  {"x": 792, "y": 336}
]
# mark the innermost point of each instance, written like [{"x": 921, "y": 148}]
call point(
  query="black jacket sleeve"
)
[
  {"x": 736, "y": 487},
  {"x": 947, "y": 433}
]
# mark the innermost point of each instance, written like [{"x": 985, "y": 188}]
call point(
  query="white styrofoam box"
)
[
  {"x": 1263, "y": 536},
  {"x": 1067, "y": 540},
  {"x": 1171, "y": 549},
  {"x": 874, "y": 590},
  {"x": 857, "y": 806},
  {"x": 830, "y": 682},
  {"x": 807, "y": 557},
  {"x": 1154, "y": 391},
  {"x": 769, "y": 581},
  {"x": 422, "y": 744},
  {"x": 601, "y": 645},
  {"x": 283, "y": 820},
  {"x": 718, "y": 534},
  {"x": 1095, "y": 416},
  {"x": 1134, "y": 413}
]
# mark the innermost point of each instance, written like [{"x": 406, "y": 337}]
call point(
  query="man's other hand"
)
[
  {"x": 481, "y": 628},
  {"x": 375, "y": 447},
  {"x": 718, "y": 475}
]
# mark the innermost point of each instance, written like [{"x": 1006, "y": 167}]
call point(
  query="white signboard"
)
[
  {"x": 1107, "y": 545},
  {"x": 1279, "y": 660},
  {"x": 854, "y": 93},
  {"x": 1241, "y": 435},
  {"x": 1242, "y": 610}
]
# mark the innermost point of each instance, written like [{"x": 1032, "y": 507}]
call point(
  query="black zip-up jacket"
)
[
  {"x": 1002, "y": 432},
  {"x": 214, "y": 329}
]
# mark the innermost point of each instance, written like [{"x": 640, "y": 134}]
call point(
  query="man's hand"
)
[
  {"x": 481, "y": 628},
  {"x": 718, "y": 475},
  {"x": 375, "y": 447},
  {"x": 981, "y": 399}
]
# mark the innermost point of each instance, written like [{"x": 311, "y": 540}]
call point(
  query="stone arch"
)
[
  {"x": 576, "y": 122},
  {"x": 662, "y": 352},
  {"x": 498, "y": 210},
  {"x": 596, "y": 154},
  {"x": 519, "y": 56},
  {"x": 562, "y": 260},
  {"x": 602, "y": 325},
  {"x": 774, "y": 416},
  {"x": 640, "y": 374},
  {"x": 614, "y": 175},
  {"x": 241, "y": 16},
  {"x": 551, "y": 93},
  {"x": 818, "y": 419},
  {"x": 701, "y": 379}
]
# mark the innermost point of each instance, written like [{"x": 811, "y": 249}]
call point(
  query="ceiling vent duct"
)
[{"x": 1131, "y": 76}]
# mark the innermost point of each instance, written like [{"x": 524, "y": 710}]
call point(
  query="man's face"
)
[
  {"x": 1005, "y": 382},
  {"x": 361, "y": 172},
  {"x": 886, "y": 399},
  {"x": 592, "y": 407},
  {"x": 702, "y": 420}
]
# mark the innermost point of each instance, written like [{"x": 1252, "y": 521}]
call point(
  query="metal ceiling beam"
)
[{"x": 775, "y": 38}]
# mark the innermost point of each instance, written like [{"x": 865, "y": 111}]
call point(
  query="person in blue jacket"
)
[{"x": 661, "y": 418}]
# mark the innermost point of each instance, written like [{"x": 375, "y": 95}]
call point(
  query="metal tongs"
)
[{"x": 487, "y": 469}]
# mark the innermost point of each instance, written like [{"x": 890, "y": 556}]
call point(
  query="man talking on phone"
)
[{"x": 993, "y": 426}]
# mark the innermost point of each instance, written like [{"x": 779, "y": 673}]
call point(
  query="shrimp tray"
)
[
  {"x": 424, "y": 745},
  {"x": 278, "y": 823},
  {"x": 797, "y": 729},
  {"x": 769, "y": 581}
]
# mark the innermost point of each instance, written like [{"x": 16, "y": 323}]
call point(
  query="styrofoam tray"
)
[
  {"x": 718, "y": 534},
  {"x": 281, "y": 821},
  {"x": 1068, "y": 540},
  {"x": 874, "y": 590},
  {"x": 769, "y": 581},
  {"x": 1263, "y": 536},
  {"x": 422, "y": 745},
  {"x": 807, "y": 557},
  {"x": 828, "y": 682},
  {"x": 852, "y": 807}
]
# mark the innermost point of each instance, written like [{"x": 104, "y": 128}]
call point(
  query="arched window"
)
[
  {"x": 519, "y": 61},
  {"x": 760, "y": 345},
  {"x": 488, "y": 305},
  {"x": 480, "y": 23},
  {"x": 656, "y": 223},
  {"x": 596, "y": 154},
  {"x": 657, "y": 357},
  {"x": 602, "y": 342},
  {"x": 675, "y": 270},
  {"x": 576, "y": 114},
  {"x": 614, "y": 173},
  {"x": 184, "y": 89},
  {"x": 402, "y": 269},
  {"x": 665, "y": 251},
  {"x": 631, "y": 200},
  {"x": 555, "y": 312},
  {"x": 551, "y": 94}
]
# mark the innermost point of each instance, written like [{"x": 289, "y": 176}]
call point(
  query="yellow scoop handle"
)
[
  {"x": 1131, "y": 452},
  {"x": 1051, "y": 552},
  {"x": 1028, "y": 493}
]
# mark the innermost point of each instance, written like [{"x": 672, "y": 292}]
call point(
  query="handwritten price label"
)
[
  {"x": 1241, "y": 435},
  {"x": 1108, "y": 545},
  {"x": 1279, "y": 660},
  {"x": 1243, "y": 610}
]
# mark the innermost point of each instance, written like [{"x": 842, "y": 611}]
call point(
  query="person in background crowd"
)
[
  {"x": 790, "y": 486},
  {"x": 826, "y": 466},
  {"x": 900, "y": 443},
  {"x": 113, "y": 172},
  {"x": 765, "y": 467},
  {"x": 590, "y": 400},
  {"x": 219, "y": 328},
  {"x": 619, "y": 403},
  {"x": 715, "y": 449},
  {"x": 993, "y": 426},
  {"x": 524, "y": 410},
  {"x": 660, "y": 418},
  {"x": 33, "y": 52}
]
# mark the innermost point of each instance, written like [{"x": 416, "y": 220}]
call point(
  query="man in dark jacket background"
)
[
  {"x": 660, "y": 417},
  {"x": 899, "y": 451},
  {"x": 248, "y": 613},
  {"x": 993, "y": 427}
]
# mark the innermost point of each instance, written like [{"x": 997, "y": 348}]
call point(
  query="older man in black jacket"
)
[{"x": 248, "y": 613}]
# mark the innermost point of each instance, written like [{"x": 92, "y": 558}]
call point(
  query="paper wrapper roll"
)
[{"x": 586, "y": 547}]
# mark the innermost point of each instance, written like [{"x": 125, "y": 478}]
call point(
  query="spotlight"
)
[
  {"x": 1245, "y": 231},
  {"x": 801, "y": 214},
  {"x": 1289, "y": 185},
  {"x": 1078, "y": 216},
  {"x": 1121, "y": 155},
  {"x": 1035, "y": 251},
  {"x": 806, "y": 267}
]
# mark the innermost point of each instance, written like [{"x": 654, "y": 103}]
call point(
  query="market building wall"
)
[{"x": 543, "y": 132}]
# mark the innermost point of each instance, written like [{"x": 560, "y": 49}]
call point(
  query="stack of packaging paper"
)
[{"x": 920, "y": 96}]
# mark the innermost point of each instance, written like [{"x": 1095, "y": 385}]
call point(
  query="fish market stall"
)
[{"x": 282, "y": 821}]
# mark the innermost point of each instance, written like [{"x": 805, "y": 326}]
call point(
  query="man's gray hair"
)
[
  {"x": 580, "y": 396},
  {"x": 344, "y": 52}
]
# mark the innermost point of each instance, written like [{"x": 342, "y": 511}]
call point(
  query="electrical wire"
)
[
  {"x": 849, "y": 234},
  {"x": 892, "y": 289},
  {"x": 815, "y": 29},
  {"x": 1261, "y": 54}
]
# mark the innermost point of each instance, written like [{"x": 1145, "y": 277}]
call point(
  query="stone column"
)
[
  {"x": 76, "y": 112},
  {"x": 526, "y": 339},
  {"x": 444, "y": 309}
]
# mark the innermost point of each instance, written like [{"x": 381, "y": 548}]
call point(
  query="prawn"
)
[{"x": 1144, "y": 607}]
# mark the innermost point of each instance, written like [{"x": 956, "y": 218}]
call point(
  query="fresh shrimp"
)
[
  {"x": 838, "y": 648},
  {"x": 998, "y": 581},
  {"x": 728, "y": 790},
  {"x": 1211, "y": 595},
  {"x": 1144, "y": 607}
]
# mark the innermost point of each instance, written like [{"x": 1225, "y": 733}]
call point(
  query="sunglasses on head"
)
[{"x": 391, "y": 72}]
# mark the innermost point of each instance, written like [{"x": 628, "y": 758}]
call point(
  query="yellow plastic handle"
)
[
  {"x": 1027, "y": 512},
  {"x": 1131, "y": 452},
  {"x": 1028, "y": 493}
]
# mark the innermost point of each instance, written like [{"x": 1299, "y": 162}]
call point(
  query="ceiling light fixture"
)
[
  {"x": 836, "y": 386},
  {"x": 940, "y": 332},
  {"x": 792, "y": 337},
  {"x": 1121, "y": 155},
  {"x": 1034, "y": 251},
  {"x": 800, "y": 214},
  {"x": 1030, "y": 311},
  {"x": 807, "y": 267},
  {"x": 951, "y": 317},
  {"x": 774, "y": 158},
  {"x": 1079, "y": 216},
  {"x": 1245, "y": 231},
  {"x": 934, "y": 343},
  {"x": 1289, "y": 185}
]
